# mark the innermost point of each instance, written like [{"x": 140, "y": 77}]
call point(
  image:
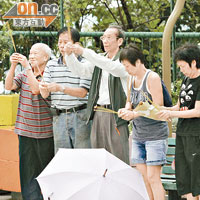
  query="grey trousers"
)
[{"x": 105, "y": 135}]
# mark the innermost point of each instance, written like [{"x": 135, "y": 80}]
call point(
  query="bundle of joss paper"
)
[
  {"x": 144, "y": 109},
  {"x": 148, "y": 110}
]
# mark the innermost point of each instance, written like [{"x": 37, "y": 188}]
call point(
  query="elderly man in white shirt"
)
[{"x": 108, "y": 90}]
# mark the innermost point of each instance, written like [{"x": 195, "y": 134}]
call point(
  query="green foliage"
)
[
  {"x": 5, "y": 44},
  {"x": 175, "y": 89},
  {"x": 5, "y": 6},
  {"x": 189, "y": 20},
  {"x": 133, "y": 16}
]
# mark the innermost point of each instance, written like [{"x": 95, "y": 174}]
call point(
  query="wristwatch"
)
[
  {"x": 62, "y": 88},
  {"x": 28, "y": 68}
]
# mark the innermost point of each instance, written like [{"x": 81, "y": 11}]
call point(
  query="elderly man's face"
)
[
  {"x": 110, "y": 40},
  {"x": 37, "y": 56}
]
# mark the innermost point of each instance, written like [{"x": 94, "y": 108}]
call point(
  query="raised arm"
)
[
  {"x": 113, "y": 67},
  {"x": 81, "y": 69},
  {"x": 33, "y": 82},
  {"x": 9, "y": 83}
]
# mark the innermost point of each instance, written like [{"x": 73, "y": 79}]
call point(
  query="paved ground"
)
[
  {"x": 5, "y": 197},
  {"x": 10, "y": 196}
]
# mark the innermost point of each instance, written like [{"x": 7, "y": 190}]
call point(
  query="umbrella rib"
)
[
  {"x": 114, "y": 180},
  {"x": 72, "y": 195},
  {"x": 64, "y": 172},
  {"x": 125, "y": 185},
  {"x": 116, "y": 171},
  {"x": 81, "y": 189}
]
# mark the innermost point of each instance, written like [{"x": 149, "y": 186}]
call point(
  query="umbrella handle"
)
[
  {"x": 104, "y": 175},
  {"x": 49, "y": 197}
]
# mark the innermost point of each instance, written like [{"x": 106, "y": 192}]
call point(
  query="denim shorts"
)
[{"x": 149, "y": 152}]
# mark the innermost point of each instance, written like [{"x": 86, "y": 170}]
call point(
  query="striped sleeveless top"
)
[{"x": 145, "y": 129}]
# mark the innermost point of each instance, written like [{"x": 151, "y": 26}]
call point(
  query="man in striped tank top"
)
[
  {"x": 34, "y": 120},
  {"x": 69, "y": 98}
]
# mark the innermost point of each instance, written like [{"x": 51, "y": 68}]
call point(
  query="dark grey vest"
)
[{"x": 145, "y": 129}]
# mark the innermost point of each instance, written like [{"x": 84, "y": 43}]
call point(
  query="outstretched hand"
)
[
  {"x": 43, "y": 86},
  {"x": 50, "y": 87},
  {"x": 73, "y": 48},
  {"x": 165, "y": 115}
]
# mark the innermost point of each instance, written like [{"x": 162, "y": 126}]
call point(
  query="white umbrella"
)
[{"x": 90, "y": 174}]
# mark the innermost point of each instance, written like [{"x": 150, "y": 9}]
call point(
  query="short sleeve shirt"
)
[
  {"x": 189, "y": 94},
  {"x": 58, "y": 72},
  {"x": 34, "y": 117}
]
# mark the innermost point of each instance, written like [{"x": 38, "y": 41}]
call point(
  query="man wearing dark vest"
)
[{"x": 108, "y": 90}]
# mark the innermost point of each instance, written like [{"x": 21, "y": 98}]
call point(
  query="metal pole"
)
[
  {"x": 166, "y": 61},
  {"x": 166, "y": 64},
  {"x": 173, "y": 44},
  {"x": 61, "y": 14},
  {"x": 98, "y": 34}
]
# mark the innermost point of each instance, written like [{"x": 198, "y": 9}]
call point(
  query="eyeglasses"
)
[{"x": 108, "y": 38}]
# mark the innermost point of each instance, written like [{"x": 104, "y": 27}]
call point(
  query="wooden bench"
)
[{"x": 168, "y": 174}]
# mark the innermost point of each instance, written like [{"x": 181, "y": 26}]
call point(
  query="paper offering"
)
[{"x": 148, "y": 110}]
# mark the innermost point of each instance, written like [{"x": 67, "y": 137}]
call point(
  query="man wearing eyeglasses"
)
[{"x": 107, "y": 91}]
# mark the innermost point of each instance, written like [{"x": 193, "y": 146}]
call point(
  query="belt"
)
[
  {"x": 105, "y": 106},
  {"x": 70, "y": 110}
]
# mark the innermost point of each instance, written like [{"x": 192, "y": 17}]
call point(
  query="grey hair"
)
[{"x": 45, "y": 48}]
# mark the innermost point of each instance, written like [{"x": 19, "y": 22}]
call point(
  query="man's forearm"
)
[
  {"x": 44, "y": 93},
  {"x": 33, "y": 82},
  {"x": 113, "y": 67},
  {"x": 9, "y": 84},
  {"x": 75, "y": 92},
  {"x": 78, "y": 68}
]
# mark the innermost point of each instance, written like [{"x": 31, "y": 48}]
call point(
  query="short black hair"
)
[
  {"x": 188, "y": 52},
  {"x": 132, "y": 53},
  {"x": 74, "y": 33}
]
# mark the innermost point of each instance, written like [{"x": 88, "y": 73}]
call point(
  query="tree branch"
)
[
  {"x": 128, "y": 16},
  {"x": 111, "y": 12},
  {"x": 120, "y": 15}
]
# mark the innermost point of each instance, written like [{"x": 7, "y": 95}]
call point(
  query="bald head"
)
[
  {"x": 39, "y": 55},
  {"x": 44, "y": 48}
]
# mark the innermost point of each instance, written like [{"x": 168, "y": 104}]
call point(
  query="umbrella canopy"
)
[{"x": 90, "y": 174}]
